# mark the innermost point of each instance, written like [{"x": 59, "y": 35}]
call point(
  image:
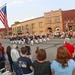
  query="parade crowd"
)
[
  {"x": 21, "y": 60},
  {"x": 30, "y": 39}
]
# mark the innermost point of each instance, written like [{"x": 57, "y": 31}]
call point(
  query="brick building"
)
[
  {"x": 4, "y": 32},
  {"x": 54, "y": 21}
]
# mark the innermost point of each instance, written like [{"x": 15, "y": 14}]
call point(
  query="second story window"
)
[
  {"x": 22, "y": 27},
  {"x": 27, "y": 29},
  {"x": 13, "y": 29},
  {"x": 40, "y": 24},
  {"x": 56, "y": 19},
  {"x": 48, "y": 20},
  {"x": 26, "y": 26},
  {"x": 19, "y": 29},
  {"x": 32, "y": 25}
]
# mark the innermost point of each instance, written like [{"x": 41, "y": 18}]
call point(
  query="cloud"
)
[
  {"x": 15, "y": 2},
  {"x": 32, "y": 17},
  {"x": 18, "y": 1},
  {"x": 32, "y": 0}
]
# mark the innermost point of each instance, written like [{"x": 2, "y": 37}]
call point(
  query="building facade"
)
[
  {"x": 4, "y": 33},
  {"x": 55, "y": 21},
  {"x": 33, "y": 26}
]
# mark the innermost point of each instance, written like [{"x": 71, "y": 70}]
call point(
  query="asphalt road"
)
[{"x": 50, "y": 47}]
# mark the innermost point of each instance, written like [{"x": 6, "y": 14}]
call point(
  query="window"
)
[
  {"x": 49, "y": 20},
  {"x": 32, "y": 25},
  {"x": 70, "y": 27},
  {"x": 65, "y": 20},
  {"x": 26, "y": 28},
  {"x": 10, "y": 33},
  {"x": 22, "y": 28},
  {"x": 57, "y": 19},
  {"x": 19, "y": 29},
  {"x": 57, "y": 28},
  {"x": 40, "y": 24},
  {"x": 13, "y": 29}
]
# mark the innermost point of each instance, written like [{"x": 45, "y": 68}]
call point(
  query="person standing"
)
[
  {"x": 2, "y": 51},
  {"x": 2, "y": 64},
  {"x": 8, "y": 51},
  {"x": 62, "y": 65},
  {"x": 41, "y": 65},
  {"x": 69, "y": 46},
  {"x": 28, "y": 51},
  {"x": 15, "y": 55},
  {"x": 2, "y": 58},
  {"x": 25, "y": 63}
]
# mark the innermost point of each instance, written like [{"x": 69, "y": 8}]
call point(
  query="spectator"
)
[
  {"x": 29, "y": 51},
  {"x": 8, "y": 51},
  {"x": 41, "y": 65},
  {"x": 15, "y": 55},
  {"x": 2, "y": 64},
  {"x": 2, "y": 57},
  {"x": 25, "y": 63},
  {"x": 62, "y": 65},
  {"x": 69, "y": 46},
  {"x": 37, "y": 48},
  {"x": 2, "y": 51}
]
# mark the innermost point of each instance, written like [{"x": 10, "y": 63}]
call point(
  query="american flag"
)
[{"x": 3, "y": 16}]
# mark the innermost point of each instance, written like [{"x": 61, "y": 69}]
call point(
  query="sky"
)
[{"x": 22, "y": 10}]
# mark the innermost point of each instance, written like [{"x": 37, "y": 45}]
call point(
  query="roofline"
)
[
  {"x": 33, "y": 19},
  {"x": 29, "y": 20},
  {"x": 69, "y": 10},
  {"x": 52, "y": 11}
]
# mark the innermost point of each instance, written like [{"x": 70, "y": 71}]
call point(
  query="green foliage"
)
[{"x": 17, "y": 22}]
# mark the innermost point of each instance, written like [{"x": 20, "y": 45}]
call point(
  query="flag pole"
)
[
  {"x": 8, "y": 33},
  {"x": 8, "y": 27},
  {"x": 7, "y": 23}
]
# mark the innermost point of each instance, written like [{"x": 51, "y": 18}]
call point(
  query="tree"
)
[{"x": 17, "y": 22}]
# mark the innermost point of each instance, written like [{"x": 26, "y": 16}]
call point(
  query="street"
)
[{"x": 50, "y": 47}]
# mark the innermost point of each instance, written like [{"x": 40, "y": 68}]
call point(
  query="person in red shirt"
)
[
  {"x": 69, "y": 46},
  {"x": 2, "y": 57},
  {"x": 2, "y": 51}
]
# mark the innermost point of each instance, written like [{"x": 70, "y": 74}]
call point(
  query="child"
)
[
  {"x": 25, "y": 63},
  {"x": 41, "y": 65},
  {"x": 28, "y": 51}
]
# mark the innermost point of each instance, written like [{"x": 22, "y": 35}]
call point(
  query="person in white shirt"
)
[{"x": 15, "y": 55}]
